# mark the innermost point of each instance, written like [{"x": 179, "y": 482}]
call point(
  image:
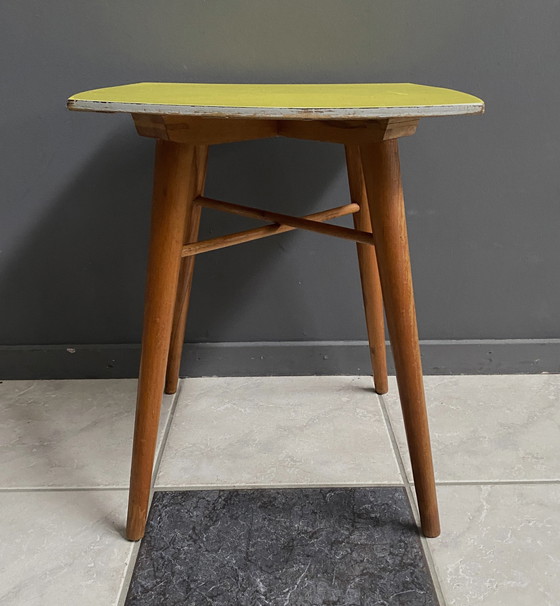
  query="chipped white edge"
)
[{"x": 305, "y": 113}]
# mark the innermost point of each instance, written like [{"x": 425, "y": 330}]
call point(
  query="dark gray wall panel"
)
[{"x": 482, "y": 192}]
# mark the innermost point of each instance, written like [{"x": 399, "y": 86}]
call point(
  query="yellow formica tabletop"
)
[{"x": 279, "y": 101}]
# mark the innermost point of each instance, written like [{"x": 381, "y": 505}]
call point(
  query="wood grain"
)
[
  {"x": 263, "y": 232},
  {"x": 204, "y": 130},
  {"x": 297, "y": 222},
  {"x": 172, "y": 183},
  {"x": 186, "y": 274},
  {"x": 348, "y": 131},
  {"x": 201, "y": 130},
  {"x": 381, "y": 169},
  {"x": 369, "y": 274}
]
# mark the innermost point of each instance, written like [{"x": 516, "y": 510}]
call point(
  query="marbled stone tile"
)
[
  {"x": 489, "y": 428},
  {"x": 278, "y": 431},
  {"x": 500, "y": 545},
  {"x": 68, "y": 433},
  {"x": 297, "y": 547},
  {"x": 60, "y": 548}
]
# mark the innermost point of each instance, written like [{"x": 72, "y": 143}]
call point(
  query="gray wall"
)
[{"x": 482, "y": 192}]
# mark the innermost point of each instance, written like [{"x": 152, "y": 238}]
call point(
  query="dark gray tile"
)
[{"x": 289, "y": 547}]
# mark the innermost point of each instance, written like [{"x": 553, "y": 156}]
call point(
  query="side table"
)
[{"x": 368, "y": 119}]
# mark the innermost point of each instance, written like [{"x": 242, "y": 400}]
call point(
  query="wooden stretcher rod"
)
[
  {"x": 295, "y": 222},
  {"x": 263, "y": 232}
]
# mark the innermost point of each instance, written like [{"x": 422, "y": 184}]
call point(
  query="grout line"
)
[
  {"x": 408, "y": 489},
  {"x": 279, "y": 486},
  {"x": 127, "y": 577},
  {"x": 273, "y": 486},
  {"x": 129, "y": 570},
  {"x": 494, "y": 482},
  {"x": 166, "y": 432},
  {"x": 396, "y": 451},
  {"x": 65, "y": 489}
]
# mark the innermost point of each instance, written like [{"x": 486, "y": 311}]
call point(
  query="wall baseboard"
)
[{"x": 524, "y": 356}]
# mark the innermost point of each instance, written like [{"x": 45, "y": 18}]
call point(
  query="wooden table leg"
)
[
  {"x": 185, "y": 277},
  {"x": 369, "y": 273},
  {"x": 381, "y": 168},
  {"x": 172, "y": 177}
]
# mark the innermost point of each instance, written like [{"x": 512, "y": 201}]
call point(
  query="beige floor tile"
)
[
  {"x": 278, "y": 431},
  {"x": 67, "y": 433},
  {"x": 489, "y": 428},
  {"x": 499, "y": 545},
  {"x": 62, "y": 547}
]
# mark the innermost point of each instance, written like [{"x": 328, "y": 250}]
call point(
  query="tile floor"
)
[{"x": 64, "y": 461}]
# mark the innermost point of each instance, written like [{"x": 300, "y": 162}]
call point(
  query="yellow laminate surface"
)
[{"x": 279, "y": 100}]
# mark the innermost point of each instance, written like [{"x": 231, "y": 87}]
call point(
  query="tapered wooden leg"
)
[
  {"x": 380, "y": 162},
  {"x": 369, "y": 274},
  {"x": 172, "y": 176},
  {"x": 185, "y": 277}
]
